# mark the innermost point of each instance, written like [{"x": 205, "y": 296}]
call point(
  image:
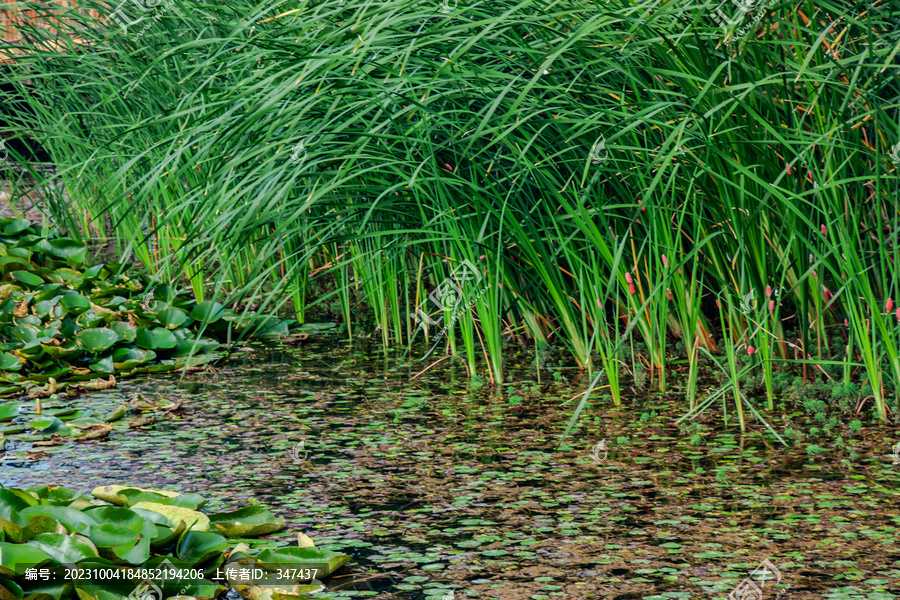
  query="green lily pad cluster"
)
[
  {"x": 60, "y": 320},
  {"x": 90, "y": 549}
]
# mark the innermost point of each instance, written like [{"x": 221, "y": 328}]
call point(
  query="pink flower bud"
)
[
  {"x": 898, "y": 313},
  {"x": 665, "y": 261},
  {"x": 788, "y": 167},
  {"x": 890, "y": 305},
  {"x": 824, "y": 230},
  {"x": 768, "y": 291},
  {"x": 631, "y": 289},
  {"x": 679, "y": 270},
  {"x": 669, "y": 293},
  {"x": 717, "y": 303},
  {"x": 628, "y": 278},
  {"x": 847, "y": 323},
  {"x": 810, "y": 258},
  {"x": 751, "y": 350},
  {"x": 771, "y": 306}
]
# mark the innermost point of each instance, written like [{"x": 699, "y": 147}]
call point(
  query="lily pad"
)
[
  {"x": 8, "y": 411},
  {"x": 196, "y": 521},
  {"x": 97, "y": 339},
  {"x": 111, "y": 493},
  {"x": 325, "y": 562},
  {"x": 246, "y": 522},
  {"x": 158, "y": 338}
]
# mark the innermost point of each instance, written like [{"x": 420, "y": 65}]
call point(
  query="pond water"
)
[{"x": 435, "y": 488}]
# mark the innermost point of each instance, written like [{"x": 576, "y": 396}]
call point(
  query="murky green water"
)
[{"x": 435, "y": 488}]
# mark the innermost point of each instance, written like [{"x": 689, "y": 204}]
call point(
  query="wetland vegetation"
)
[{"x": 505, "y": 299}]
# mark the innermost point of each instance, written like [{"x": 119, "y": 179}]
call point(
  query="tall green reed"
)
[{"x": 227, "y": 142}]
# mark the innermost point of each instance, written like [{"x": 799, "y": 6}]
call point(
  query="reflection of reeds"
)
[{"x": 431, "y": 138}]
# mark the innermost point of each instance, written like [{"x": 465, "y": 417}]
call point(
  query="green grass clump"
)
[{"x": 591, "y": 175}]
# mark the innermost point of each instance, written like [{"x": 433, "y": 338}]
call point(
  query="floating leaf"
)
[
  {"x": 46, "y": 425},
  {"x": 75, "y": 303},
  {"x": 325, "y": 561},
  {"x": 196, "y": 521},
  {"x": 73, "y": 520},
  {"x": 112, "y": 493},
  {"x": 15, "y": 558},
  {"x": 198, "y": 547},
  {"x": 172, "y": 318},
  {"x": 208, "y": 311},
  {"x": 62, "y": 548},
  {"x": 158, "y": 338},
  {"x": 125, "y": 330},
  {"x": 128, "y": 358},
  {"x": 246, "y": 522},
  {"x": 135, "y": 496},
  {"x": 117, "y": 414},
  {"x": 16, "y": 226},
  {"x": 10, "y": 362},
  {"x": 68, "y": 249},
  {"x": 97, "y": 339},
  {"x": 8, "y": 411},
  {"x": 69, "y": 351},
  {"x": 103, "y": 366},
  {"x": 29, "y": 279}
]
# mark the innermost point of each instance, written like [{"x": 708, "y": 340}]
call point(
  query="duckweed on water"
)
[{"x": 424, "y": 505}]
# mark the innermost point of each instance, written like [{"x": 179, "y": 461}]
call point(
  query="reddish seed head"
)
[
  {"x": 679, "y": 270},
  {"x": 898, "y": 313},
  {"x": 640, "y": 202},
  {"x": 824, "y": 230},
  {"x": 628, "y": 278},
  {"x": 631, "y": 289},
  {"x": 643, "y": 208},
  {"x": 669, "y": 293},
  {"x": 890, "y": 305},
  {"x": 847, "y": 324},
  {"x": 810, "y": 258},
  {"x": 771, "y": 306},
  {"x": 448, "y": 166},
  {"x": 788, "y": 167},
  {"x": 717, "y": 303},
  {"x": 751, "y": 350},
  {"x": 768, "y": 291},
  {"x": 665, "y": 261}
]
